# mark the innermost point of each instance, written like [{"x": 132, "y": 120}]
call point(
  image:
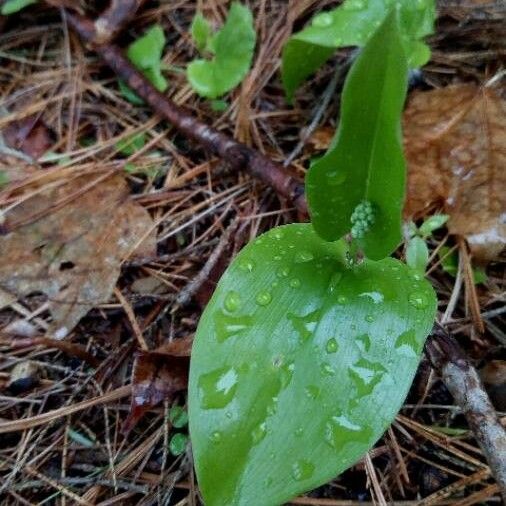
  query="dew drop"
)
[
  {"x": 369, "y": 318},
  {"x": 376, "y": 297},
  {"x": 303, "y": 256},
  {"x": 277, "y": 234},
  {"x": 217, "y": 388},
  {"x": 227, "y": 326},
  {"x": 305, "y": 325},
  {"x": 216, "y": 436},
  {"x": 322, "y": 20},
  {"x": 246, "y": 265},
  {"x": 331, "y": 346},
  {"x": 339, "y": 431},
  {"x": 299, "y": 432},
  {"x": 232, "y": 301},
  {"x": 302, "y": 470},
  {"x": 342, "y": 300},
  {"x": 418, "y": 300},
  {"x": 263, "y": 298},
  {"x": 259, "y": 433},
  {"x": 295, "y": 283},
  {"x": 366, "y": 375},
  {"x": 283, "y": 272}
]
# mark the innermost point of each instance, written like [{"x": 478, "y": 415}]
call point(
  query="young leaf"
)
[
  {"x": 365, "y": 163},
  {"x": 233, "y": 48},
  {"x": 299, "y": 365},
  {"x": 146, "y": 54},
  {"x": 12, "y": 6},
  {"x": 200, "y": 31},
  {"x": 352, "y": 24},
  {"x": 177, "y": 444},
  {"x": 433, "y": 223},
  {"x": 417, "y": 254}
]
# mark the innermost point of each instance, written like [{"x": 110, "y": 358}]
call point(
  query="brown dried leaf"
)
[
  {"x": 68, "y": 242},
  {"x": 29, "y": 135},
  {"x": 156, "y": 377},
  {"x": 455, "y": 142}
]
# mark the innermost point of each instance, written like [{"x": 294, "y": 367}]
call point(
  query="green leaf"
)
[
  {"x": 233, "y": 46},
  {"x": 352, "y": 24},
  {"x": 178, "y": 417},
  {"x": 200, "y": 31},
  {"x": 12, "y": 6},
  {"x": 146, "y": 54},
  {"x": 432, "y": 223},
  {"x": 177, "y": 444},
  {"x": 131, "y": 144},
  {"x": 299, "y": 365},
  {"x": 417, "y": 254},
  {"x": 365, "y": 162}
]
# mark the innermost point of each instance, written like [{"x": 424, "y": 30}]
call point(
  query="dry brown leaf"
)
[
  {"x": 68, "y": 242},
  {"x": 29, "y": 135},
  {"x": 455, "y": 143},
  {"x": 157, "y": 376}
]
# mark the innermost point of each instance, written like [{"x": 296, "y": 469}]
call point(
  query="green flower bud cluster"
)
[{"x": 362, "y": 219}]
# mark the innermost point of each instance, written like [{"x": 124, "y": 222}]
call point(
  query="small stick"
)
[
  {"x": 236, "y": 154},
  {"x": 463, "y": 382}
]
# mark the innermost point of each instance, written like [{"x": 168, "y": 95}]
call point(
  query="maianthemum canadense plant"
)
[{"x": 309, "y": 345}]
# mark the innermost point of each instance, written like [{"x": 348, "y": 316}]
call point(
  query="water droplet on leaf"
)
[
  {"x": 322, "y": 20},
  {"x": 303, "y": 256},
  {"x": 263, "y": 298},
  {"x": 418, "y": 300},
  {"x": 232, "y": 301},
  {"x": 302, "y": 470},
  {"x": 217, "y": 388},
  {"x": 331, "y": 346}
]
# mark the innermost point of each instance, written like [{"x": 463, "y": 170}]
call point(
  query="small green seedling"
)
[
  {"x": 306, "y": 350},
  {"x": 417, "y": 252},
  {"x": 13, "y": 6},
  {"x": 232, "y": 48},
  {"x": 178, "y": 443},
  {"x": 352, "y": 24},
  {"x": 146, "y": 54}
]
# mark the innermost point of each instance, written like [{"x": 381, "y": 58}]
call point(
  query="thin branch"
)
[
  {"x": 463, "y": 382},
  {"x": 236, "y": 154}
]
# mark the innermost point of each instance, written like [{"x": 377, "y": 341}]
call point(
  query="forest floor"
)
[{"x": 137, "y": 227}]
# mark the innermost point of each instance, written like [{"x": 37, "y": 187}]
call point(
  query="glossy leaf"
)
[
  {"x": 299, "y": 365},
  {"x": 352, "y": 24},
  {"x": 365, "y": 163},
  {"x": 233, "y": 48},
  {"x": 146, "y": 54},
  {"x": 13, "y": 6},
  {"x": 417, "y": 254}
]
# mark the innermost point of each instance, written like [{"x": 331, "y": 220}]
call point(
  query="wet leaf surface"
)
[
  {"x": 68, "y": 242},
  {"x": 455, "y": 143},
  {"x": 299, "y": 365}
]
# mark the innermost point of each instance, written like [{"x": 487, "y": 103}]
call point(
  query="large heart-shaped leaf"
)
[
  {"x": 366, "y": 162},
  {"x": 352, "y": 24},
  {"x": 299, "y": 365}
]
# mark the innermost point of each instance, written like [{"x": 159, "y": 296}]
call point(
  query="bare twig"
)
[
  {"x": 463, "y": 382},
  {"x": 236, "y": 154},
  {"x": 114, "y": 18}
]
